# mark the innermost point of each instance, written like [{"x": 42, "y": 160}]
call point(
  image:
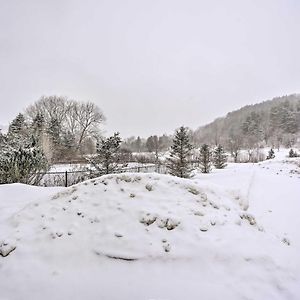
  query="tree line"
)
[
  {"x": 57, "y": 129},
  {"x": 179, "y": 162},
  {"x": 273, "y": 123}
]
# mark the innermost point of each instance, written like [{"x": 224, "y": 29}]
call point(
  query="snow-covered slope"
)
[
  {"x": 14, "y": 197},
  {"x": 131, "y": 217},
  {"x": 150, "y": 236}
]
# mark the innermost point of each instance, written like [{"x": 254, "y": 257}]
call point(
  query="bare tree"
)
[
  {"x": 234, "y": 145},
  {"x": 52, "y": 107},
  {"x": 76, "y": 121},
  {"x": 88, "y": 117}
]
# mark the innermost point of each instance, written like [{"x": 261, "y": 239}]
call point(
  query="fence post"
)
[{"x": 66, "y": 178}]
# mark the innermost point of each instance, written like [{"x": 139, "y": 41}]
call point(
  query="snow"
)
[
  {"x": 14, "y": 197},
  {"x": 230, "y": 234},
  {"x": 82, "y": 167},
  {"x": 68, "y": 167}
]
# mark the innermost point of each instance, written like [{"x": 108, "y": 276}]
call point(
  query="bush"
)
[
  {"x": 25, "y": 164},
  {"x": 293, "y": 153},
  {"x": 271, "y": 154}
]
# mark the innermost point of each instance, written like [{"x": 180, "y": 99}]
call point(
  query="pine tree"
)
[
  {"x": 54, "y": 131},
  {"x": 54, "y": 134},
  {"x": 205, "y": 159},
  {"x": 17, "y": 131},
  {"x": 291, "y": 123},
  {"x": 38, "y": 125},
  {"x": 219, "y": 157},
  {"x": 107, "y": 159},
  {"x": 178, "y": 163},
  {"x": 293, "y": 153},
  {"x": 17, "y": 126},
  {"x": 25, "y": 163},
  {"x": 150, "y": 144},
  {"x": 271, "y": 154}
]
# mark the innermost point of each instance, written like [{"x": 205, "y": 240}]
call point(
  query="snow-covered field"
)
[
  {"x": 231, "y": 234},
  {"x": 83, "y": 167}
]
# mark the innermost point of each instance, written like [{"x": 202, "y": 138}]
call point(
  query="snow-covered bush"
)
[
  {"x": 107, "y": 159},
  {"x": 271, "y": 154},
  {"x": 24, "y": 163},
  {"x": 293, "y": 153}
]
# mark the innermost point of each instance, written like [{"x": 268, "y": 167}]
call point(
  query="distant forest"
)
[
  {"x": 67, "y": 130},
  {"x": 271, "y": 123}
]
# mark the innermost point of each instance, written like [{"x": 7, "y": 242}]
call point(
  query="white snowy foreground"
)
[{"x": 231, "y": 234}]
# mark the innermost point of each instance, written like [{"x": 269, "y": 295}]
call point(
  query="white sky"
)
[{"x": 150, "y": 65}]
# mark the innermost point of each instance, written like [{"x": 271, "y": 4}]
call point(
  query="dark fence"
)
[{"x": 67, "y": 178}]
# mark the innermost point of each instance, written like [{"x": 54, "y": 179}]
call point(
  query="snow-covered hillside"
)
[{"x": 231, "y": 234}]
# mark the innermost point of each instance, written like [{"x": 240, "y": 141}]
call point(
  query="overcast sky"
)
[{"x": 150, "y": 65}]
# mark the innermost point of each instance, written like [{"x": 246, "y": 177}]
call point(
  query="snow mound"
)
[
  {"x": 138, "y": 236},
  {"x": 131, "y": 217}
]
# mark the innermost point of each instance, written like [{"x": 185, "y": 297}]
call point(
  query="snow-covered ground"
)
[
  {"x": 83, "y": 167},
  {"x": 230, "y": 234}
]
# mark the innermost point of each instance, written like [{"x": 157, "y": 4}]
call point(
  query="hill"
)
[{"x": 274, "y": 123}]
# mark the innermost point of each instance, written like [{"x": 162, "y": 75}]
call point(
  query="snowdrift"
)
[
  {"x": 131, "y": 217},
  {"x": 141, "y": 236}
]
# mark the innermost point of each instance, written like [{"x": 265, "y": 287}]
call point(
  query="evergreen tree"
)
[
  {"x": 271, "y": 154},
  {"x": 17, "y": 131},
  {"x": 291, "y": 124},
  {"x": 107, "y": 159},
  {"x": 53, "y": 131},
  {"x": 38, "y": 125},
  {"x": 293, "y": 153},
  {"x": 150, "y": 144},
  {"x": 178, "y": 163},
  {"x": 205, "y": 159},
  {"x": 17, "y": 126},
  {"x": 25, "y": 163},
  {"x": 219, "y": 157}
]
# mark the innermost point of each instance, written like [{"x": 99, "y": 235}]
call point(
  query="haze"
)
[{"x": 151, "y": 66}]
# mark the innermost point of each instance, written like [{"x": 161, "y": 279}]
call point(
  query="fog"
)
[{"x": 151, "y": 66}]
